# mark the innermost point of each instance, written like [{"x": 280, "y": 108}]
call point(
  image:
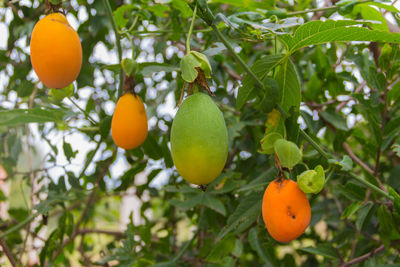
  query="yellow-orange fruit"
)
[
  {"x": 286, "y": 210},
  {"x": 129, "y": 122},
  {"x": 56, "y": 51}
]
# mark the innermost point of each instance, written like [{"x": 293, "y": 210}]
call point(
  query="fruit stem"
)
[
  {"x": 118, "y": 41},
  {"x": 191, "y": 30}
]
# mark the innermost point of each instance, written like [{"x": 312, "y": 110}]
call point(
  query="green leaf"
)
[
  {"x": 261, "y": 68},
  {"x": 350, "y": 210},
  {"x": 36, "y": 115},
  {"x": 74, "y": 181},
  {"x": 105, "y": 126},
  {"x": 396, "y": 149},
  {"x": 221, "y": 249},
  {"x": 189, "y": 203},
  {"x": 371, "y": 14},
  {"x": 183, "y": 7},
  {"x": 319, "y": 32},
  {"x": 390, "y": 8},
  {"x": 189, "y": 63},
  {"x": 289, "y": 86},
  {"x": 363, "y": 214},
  {"x": 246, "y": 212},
  {"x": 396, "y": 200},
  {"x": 346, "y": 163},
  {"x": 119, "y": 15},
  {"x": 326, "y": 251},
  {"x": 68, "y": 152},
  {"x": 129, "y": 66},
  {"x": 214, "y": 203},
  {"x": 149, "y": 68},
  {"x": 159, "y": 10},
  {"x": 256, "y": 245},
  {"x": 59, "y": 94},
  {"x": 335, "y": 119},
  {"x": 385, "y": 225}
]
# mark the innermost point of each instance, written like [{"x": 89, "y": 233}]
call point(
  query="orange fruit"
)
[
  {"x": 56, "y": 51},
  {"x": 129, "y": 122},
  {"x": 286, "y": 210}
]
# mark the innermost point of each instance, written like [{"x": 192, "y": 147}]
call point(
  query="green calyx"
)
[
  {"x": 191, "y": 63},
  {"x": 312, "y": 181},
  {"x": 288, "y": 153},
  {"x": 267, "y": 143}
]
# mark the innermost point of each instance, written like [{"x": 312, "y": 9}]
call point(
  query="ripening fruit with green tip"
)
[
  {"x": 267, "y": 143},
  {"x": 312, "y": 181},
  {"x": 288, "y": 153},
  {"x": 199, "y": 140}
]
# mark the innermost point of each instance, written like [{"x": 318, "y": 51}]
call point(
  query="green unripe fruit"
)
[
  {"x": 312, "y": 181},
  {"x": 288, "y": 153},
  {"x": 199, "y": 140},
  {"x": 267, "y": 143}
]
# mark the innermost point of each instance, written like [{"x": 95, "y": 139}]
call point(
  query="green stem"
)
[
  {"x": 371, "y": 186},
  {"x": 20, "y": 225},
  {"x": 320, "y": 9},
  {"x": 237, "y": 58},
  {"x": 83, "y": 111},
  {"x": 315, "y": 145},
  {"x": 117, "y": 38},
  {"x": 191, "y": 30}
]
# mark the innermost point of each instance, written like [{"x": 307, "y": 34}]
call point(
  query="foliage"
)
[{"x": 335, "y": 98}]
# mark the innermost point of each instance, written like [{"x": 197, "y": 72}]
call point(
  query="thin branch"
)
[
  {"x": 362, "y": 164},
  {"x": 367, "y": 255},
  {"x": 357, "y": 159},
  {"x": 8, "y": 252},
  {"x": 118, "y": 41},
  {"x": 117, "y": 234}
]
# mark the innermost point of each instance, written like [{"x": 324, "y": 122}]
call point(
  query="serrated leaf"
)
[
  {"x": 289, "y": 86},
  {"x": 385, "y": 224},
  {"x": 396, "y": 198},
  {"x": 188, "y": 203},
  {"x": 221, "y": 249},
  {"x": 256, "y": 245},
  {"x": 119, "y": 15},
  {"x": 350, "y": 210},
  {"x": 68, "y": 152},
  {"x": 319, "y": 32},
  {"x": 335, "y": 119},
  {"x": 247, "y": 210},
  {"x": 214, "y": 203},
  {"x": 323, "y": 250},
  {"x": 261, "y": 68},
  {"x": 362, "y": 215},
  {"x": 36, "y": 115}
]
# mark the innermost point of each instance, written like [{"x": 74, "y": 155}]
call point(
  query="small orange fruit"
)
[
  {"x": 56, "y": 51},
  {"x": 286, "y": 210},
  {"x": 129, "y": 122}
]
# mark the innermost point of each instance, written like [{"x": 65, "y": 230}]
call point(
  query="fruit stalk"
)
[
  {"x": 119, "y": 48},
  {"x": 191, "y": 30}
]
